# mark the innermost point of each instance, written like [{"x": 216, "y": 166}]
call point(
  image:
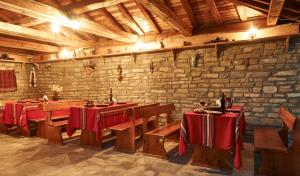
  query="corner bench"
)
[{"x": 278, "y": 157}]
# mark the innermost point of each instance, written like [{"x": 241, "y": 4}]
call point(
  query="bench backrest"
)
[
  {"x": 290, "y": 124},
  {"x": 154, "y": 112},
  {"x": 55, "y": 106},
  {"x": 167, "y": 109},
  {"x": 52, "y": 107},
  {"x": 138, "y": 109}
]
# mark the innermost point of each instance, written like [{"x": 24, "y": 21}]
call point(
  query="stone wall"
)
[
  {"x": 260, "y": 76},
  {"x": 22, "y": 72}
]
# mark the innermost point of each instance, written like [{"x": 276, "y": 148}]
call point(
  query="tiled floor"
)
[{"x": 23, "y": 156}]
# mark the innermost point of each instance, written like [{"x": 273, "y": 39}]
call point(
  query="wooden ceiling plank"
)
[
  {"x": 20, "y": 44},
  {"x": 132, "y": 23},
  {"x": 19, "y": 31},
  {"x": 47, "y": 13},
  {"x": 274, "y": 11},
  {"x": 115, "y": 23},
  {"x": 148, "y": 16},
  {"x": 214, "y": 11},
  {"x": 187, "y": 7},
  {"x": 162, "y": 11},
  {"x": 89, "y": 5}
]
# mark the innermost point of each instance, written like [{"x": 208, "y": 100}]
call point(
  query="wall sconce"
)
[
  {"x": 151, "y": 67},
  {"x": 194, "y": 60},
  {"x": 120, "y": 70},
  {"x": 252, "y": 32}
]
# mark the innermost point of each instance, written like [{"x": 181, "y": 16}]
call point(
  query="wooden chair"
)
[
  {"x": 127, "y": 133},
  {"x": 154, "y": 140},
  {"x": 279, "y": 158},
  {"x": 53, "y": 126}
]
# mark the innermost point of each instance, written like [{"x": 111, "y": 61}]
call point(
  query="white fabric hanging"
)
[{"x": 32, "y": 78}]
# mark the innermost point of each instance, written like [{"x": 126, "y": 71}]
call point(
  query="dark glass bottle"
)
[
  {"x": 223, "y": 102},
  {"x": 110, "y": 96}
]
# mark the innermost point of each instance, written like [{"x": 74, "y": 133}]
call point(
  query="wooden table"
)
[
  {"x": 19, "y": 114},
  {"x": 215, "y": 138},
  {"x": 87, "y": 119}
]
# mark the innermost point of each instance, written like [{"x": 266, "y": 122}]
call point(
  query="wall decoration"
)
[
  {"x": 8, "y": 81},
  {"x": 151, "y": 67},
  {"x": 6, "y": 57},
  {"x": 89, "y": 66},
  {"x": 32, "y": 80},
  {"x": 120, "y": 77},
  {"x": 194, "y": 60}
]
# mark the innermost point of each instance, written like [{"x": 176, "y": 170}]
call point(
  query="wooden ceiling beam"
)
[
  {"x": 162, "y": 11},
  {"x": 50, "y": 14},
  {"x": 89, "y": 5},
  {"x": 214, "y": 11},
  {"x": 187, "y": 8},
  {"x": 25, "y": 45},
  {"x": 114, "y": 22},
  {"x": 132, "y": 23},
  {"x": 148, "y": 16},
  {"x": 274, "y": 11},
  {"x": 263, "y": 8},
  {"x": 23, "y": 32},
  {"x": 196, "y": 41}
]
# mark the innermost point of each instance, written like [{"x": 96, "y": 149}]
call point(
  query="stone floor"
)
[{"x": 23, "y": 156}]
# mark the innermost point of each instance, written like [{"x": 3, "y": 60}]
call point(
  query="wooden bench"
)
[
  {"x": 3, "y": 128},
  {"x": 56, "y": 124},
  {"x": 154, "y": 140},
  {"x": 127, "y": 133},
  {"x": 278, "y": 157}
]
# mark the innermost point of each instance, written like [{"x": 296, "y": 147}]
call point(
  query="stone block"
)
[{"x": 269, "y": 89}]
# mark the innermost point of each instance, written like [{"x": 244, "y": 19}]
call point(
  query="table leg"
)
[
  {"x": 89, "y": 138},
  {"x": 211, "y": 157}
]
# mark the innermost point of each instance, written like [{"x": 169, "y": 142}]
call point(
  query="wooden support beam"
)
[
  {"x": 19, "y": 31},
  {"x": 28, "y": 22},
  {"x": 214, "y": 11},
  {"x": 114, "y": 22},
  {"x": 274, "y": 11},
  {"x": 89, "y": 5},
  {"x": 187, "y": 7},
  {"x": 148, "y": 16},
  {"x": 176, "y": 42},
  {"x": 19, "y": 44},
  {"x": 263, "y": 8},
  {"x": 161, "y": 10},
  {"x": 132, "y": 23},
  {"x": 47, "y": 13}
]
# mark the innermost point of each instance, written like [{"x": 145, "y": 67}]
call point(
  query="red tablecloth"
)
[
  {"x": 86, "y": 118},
  {"x": 218, "y": 131},
  {"x": 20, "y": 113}
]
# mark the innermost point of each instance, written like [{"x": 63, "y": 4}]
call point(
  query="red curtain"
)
[{"x": 8, "y": 81}]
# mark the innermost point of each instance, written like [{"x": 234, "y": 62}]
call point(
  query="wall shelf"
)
[{"x": 214, "y": 45}]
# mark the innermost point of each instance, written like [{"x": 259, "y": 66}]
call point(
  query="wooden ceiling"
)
[{"x": 24, "y": 24}]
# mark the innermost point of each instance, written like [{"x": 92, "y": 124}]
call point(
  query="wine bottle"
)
[{"x": 223, "y": 102}]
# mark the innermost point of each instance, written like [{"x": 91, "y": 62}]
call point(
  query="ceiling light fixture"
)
[
  {"x": 74, "y": 24},
  {"x": 252, "y": 32},
  {"x": 55, "y": 28}
]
